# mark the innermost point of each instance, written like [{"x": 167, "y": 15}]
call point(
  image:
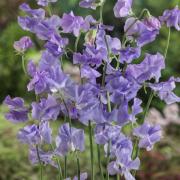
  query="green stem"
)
[
  {"x": 77, "y": 42},
  {"x": 65, "y": 167},
  {"x": 108, "y": 159},
  {"x": 23, "y": 64},
  {"x": 40, "y": 163},
  {"x": 101, "y": 12},
  {"x": 91, "y": 150},
  {"x": 59, "y": 165},
  {"x": 99, "y": 161},
  {"x": 118, "y": 176},
  {"x": 78, "y": 166},
  {"x": 168, "y": 41}
]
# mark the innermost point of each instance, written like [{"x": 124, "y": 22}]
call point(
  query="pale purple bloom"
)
[
  {"x": 149, "y": 68},
  {"x": 89, "y": 73},
  {"x": 47, "y": 109},
  {"x": 75, "y": 24},
  {"x": 136, "y": 109},
  {"x": 45, "y": 157},
  {"x": 45, "y": 2},
  {"x": 148, "y": 135},
  {"x": 122, "y": 8},
  {"x": 36, "y": 13},
  {"x": 171, "y": 18},
  {"x": 17, "y": 111},
  {"x": 105, "y": 132},
  {"x": 142, "y": 32},
  {"x": 45, "y": 29},
  {"x": 123, "y": 166},
  {"x": 88, "y": 4},
  {"x": 23, "y": 44},
  {"x": 48, "y": 77},
  {"x": 29, "y": 135},
  {"x": 127, "y": 55},
  {"x": 69, "y": 139},
  {"x": 152, "y": 23},
  {"x": 90, "y": 56},
  {"x": 56, "y": 45},
  {"x": 46, "y": 132},
  {"x": 83, "y": 176},
  {"x": 28, "y": 23},
  {"x": 165, "y": 90}
]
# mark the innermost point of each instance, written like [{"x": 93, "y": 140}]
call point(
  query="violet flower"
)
[
  {"x": 29, "y": 135},
  {"x": 75, "y": 24},
  {"x": 122, "y": 8},
  {"x": 23, "y": 44},
  {"x": 45, "y": 157},
  {"x": 69, "y": 139},
  {"x": 45, "y": 2},
  {"x": 148, "y": 135},
  {"x": 88, "y": 4},
  {"x": 171, "y": 18},
  {"x": 47, "y": 109},
  {"x": 165, "y": 90},
  {"x": 17, "y": 111}
]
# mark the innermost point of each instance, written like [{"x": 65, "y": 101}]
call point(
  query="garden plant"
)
[{"x": 105, "y": 102}]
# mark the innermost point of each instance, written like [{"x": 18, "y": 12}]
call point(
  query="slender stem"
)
[
  {"x": 78, "y": 166},
  {"x": 147, "y": 106},
  {"x": 40, "y": 163},
  {"x": 23, "y": 64},
  {"x": 108, "y": 159},
  {"x": 65, "y": 167},
  {"x": 77, "y": 42},
  {"x": 168, "y": 41},
  {"x": 101, "y": 11},
  {"x": 99, "y": 161},
  {"x": 91, "y": 150},
  {"x": 118, "y": 176},
  {"x": 59, "y": 165}
]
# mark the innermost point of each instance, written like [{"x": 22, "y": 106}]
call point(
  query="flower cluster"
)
[{"x": 107, "y": 98}]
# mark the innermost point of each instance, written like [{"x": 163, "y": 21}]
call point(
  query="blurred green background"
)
[{"x": 162, "y": 163}]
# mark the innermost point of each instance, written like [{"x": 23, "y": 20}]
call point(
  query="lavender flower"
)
[
  {"x": 143, "y": 32},
  {"x": 45, "y": 157},
  {"x": 123, "y": 166},
  {"x": 122, "y": 8},
  {"x": 149, "y": 68},
  {"x": 129, "y": 54},
  {"x": 17, "y": 111},
  {"x": 88, "y": 4},
  {"x": 29, "y": 135},
  {"x": 47, "y": 109},
  {"x": 36, "y": 13},
  {"x": 45, "y": 2},
  {"x": 23, "y": 44},
  {"x": 165, "y": 90},
  {"x": 69, "y": 139},
  {"x": 148, "y": 135},
  {"x": 171, "y": 18},
  {"x": 71, "y": 23},
  {"x": 83, "y": 176}
]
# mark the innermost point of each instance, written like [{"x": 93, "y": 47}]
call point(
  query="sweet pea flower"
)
[
  {"x": 165, "y": 90},
  {"x": 45, "y": 157},
  {"x": 45, "y": 2},
  {"x": 148, "y": 135},
  {"x": 69, "y": 139},
  {"x": 122, "y": 8},
  {"x": 71, "y": 23},
  {"x": 17, "y": 111},
  {"x": 88, "y": 4},
  {"x": 46, "y": 109},
  {"x": 23, "y": 44},
  {"x": 171, "y": 18}
]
